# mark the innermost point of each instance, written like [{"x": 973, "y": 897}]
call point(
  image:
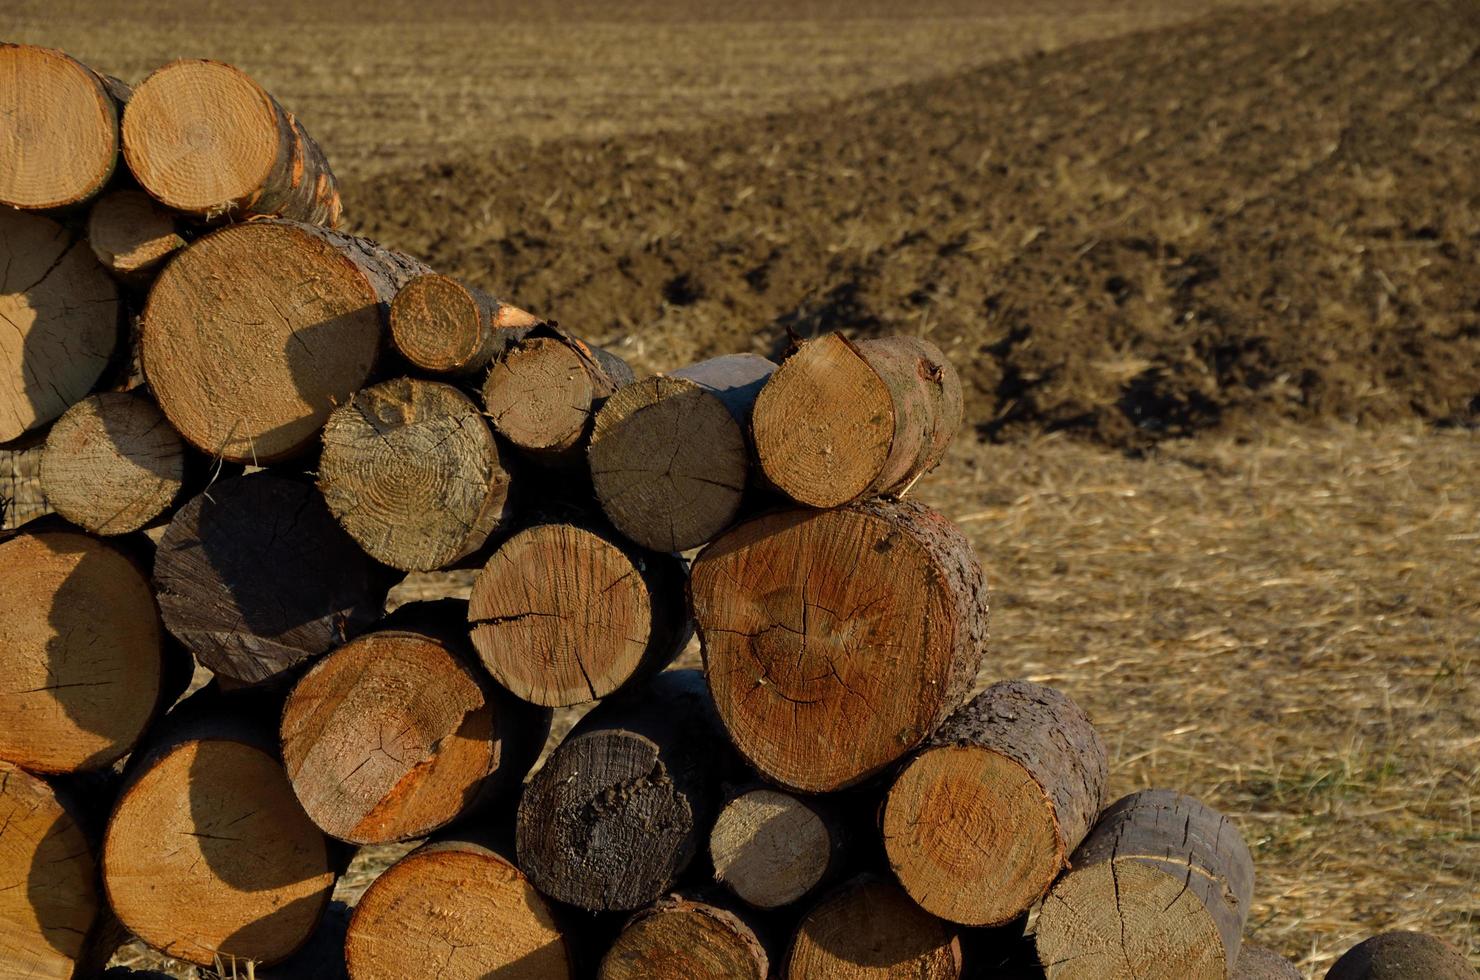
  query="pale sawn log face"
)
[
  {"x": 1402, "y": 956},
  {"x": 679, "y": 939},
  {"x": 770, "y": 848},
  {"x": 131, "y": 234},
  {"x": 868, "y": 928}
]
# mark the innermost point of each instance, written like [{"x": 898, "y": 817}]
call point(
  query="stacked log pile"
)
[{"x": 251, "y": 425}]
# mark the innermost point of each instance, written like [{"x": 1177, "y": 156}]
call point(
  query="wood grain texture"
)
[
  {"x": 771, "y": 848},
  {"x": 1402, "y": 956},
  {"x": 870, "y": 928},
  {"x": 445, "y": 326},
  {"x": 679, "y": 939},
  {"x": 131, "y": 235},
  {"x": 1258, "y": 963}
]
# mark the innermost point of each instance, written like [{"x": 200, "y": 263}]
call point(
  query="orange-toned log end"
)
[
  {"x": 456, "y": 911},
  {"x": 837, "y": 641},
  {"x": 440, "y": 325},
  {"x": 1258, "y": 963},
  {"x": 61, "y": 313},
  {"x": 770, "y": 848},
  {"x": 388, "y": 738},
  {"x": 81, "y": 656},
  {"x": 677, "y": 939},
  {"x": 49, "y": 901},
  {"x": 208, "y": 855},
  {"x": 871, "y": 929},
  {"x": 1402, "y": 956},
  {"x": 131, "y": 235},
  {"x": 59, "y": 145}
]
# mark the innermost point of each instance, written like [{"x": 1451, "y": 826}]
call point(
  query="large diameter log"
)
[
  {"x": 837, "y": 641},
  {"x": 454, "y": 910},
  {"x": 62, "y": 321},
  {"x": 1160, "y": 888},
  {"x": 412, "y": 472},
  {"x": 679, "y": 939},
  {"x": 619, "y": 810},
  {"x": 562, "y": 615},
  {"x": 869, "y": 928},
  {"x": 983, "y": 819},
  {"x": 255, "y": 577},
  {"x": 1402, "y": 956},
  {"x": 668, "y": 455},
  {"x": 204, "y": 138},
  {"x": 843, "y": 420},
  {"x": 1257, "y": 963},
  {"x": 771, "y": 848},
  {"x": 112, "y": 463},
  {"x": 59, "y": 145},
  {"x": 256, "y": 332},
  {"x": 131, "y": 235},
  {"x": 443, "y": 326}
]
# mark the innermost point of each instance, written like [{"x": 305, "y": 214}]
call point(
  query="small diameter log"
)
[
  {"x": 255, "y": 577},
  {"x": 1160, "y": 888},
  {"x": 254, "y": 334},
  {"x": 771, "y": 848},
  {"x": 562, "y": 615},
  {"x": 62, "y": 316},
  {"x": 21, "y": 497},
  {"x": 453, "y": 910},
  {"x": 1402, "y": 956},
  {"x": 669, "y": 458},
  {"x": 412, "y": 472},
  {"x": 392, "y": 736},
  {"x": 60, "y": 141},
  {"x": 620, "y": 808},
  {"x": 983, "y": 819},
  {"x": 842, "y": 420},
  {"x": 1257, "y": 963},
  {"x": 205, "y": 139},
  {"x": 837, "y": 641},
  {"x": 870, "y": 928},
  {"x": 544, "y": 390},
  {"x": 441, "y": 325},
  {"x": 112, "y": 463},
  {"x": 131, "y": 235},
  {"x": 679, "y": 939}
]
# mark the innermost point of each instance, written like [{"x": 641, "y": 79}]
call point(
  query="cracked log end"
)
[
  {"x": 208, "y": 854},
  {"x": 678, "y": 939},
  {"x": 440, "y": 325},
  {"x": 870, "y": 928},
  {"x": 81, "y": 652},
  {"x": 541, "y": 395},
  {"x": 457, "y": 911},
  {"x": 131, "y": 234},
  {"x": 1402, "y": 956},
  {"x": 770, "y": 848}
]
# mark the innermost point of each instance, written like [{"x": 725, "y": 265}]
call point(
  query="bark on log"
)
[
  {"x": 112, "y": 463},
  {"x": 254, "y": 334},
  {"x": 131, "y": 235},
  {"x": 204, "y": 138},
  {"x": 21, "y": 496},
  {"x": 63, "y": 319},
  {"x": 771, "y": 848},
  {"x": 255, "y": 577},
  {"x": 837, "y": 641},
  {"x": 842, "y": 420},
  {"x": 870, "y": 928},
  {"x": 1160, "y": 888},
  {"x": 455, "y": 910},
  {"x": 618, "y": 812},
  {"x": 60, "y": 143},
  {"x": 1402, "y": 956},
  {"x": 980, "y": 823},
  {"x": 412, "y": 472},
  {"x": 679, "y": 939},
  {"x": 669, "y": 457},
  {"x": 441, "y": 325},
  {"x": 562, "y": 615},
  {"x": 1257, "y": 963}
]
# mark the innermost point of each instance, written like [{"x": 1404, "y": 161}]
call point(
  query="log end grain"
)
[
  {"x": 678, "y": 939},
  {"x": 770, "y": 848},
  {"x": 540, "y": 394},
  {"x": 61, "y": 134},
  {"x": 1402, "y": 956},
  {"x": 439, "y": 325},
  {"x": 870, "y": 928},
  {"x": 131, "y": 234}
]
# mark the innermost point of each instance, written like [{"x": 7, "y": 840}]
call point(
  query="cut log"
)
[
  {"x": 392, "y": 736},
  {"x": 1160, "y": 888},
  {"x": 255, "y": 577},
  {"x": 444, "y": 326},
  {"x": 1402, "y": 956},
  {"x": 131, "y": 235},
  {"x": 82, "y": 652},
  {"x": 669, "y": 458},
  {"x": 322, "y": 958},
  {"x": 254, "y": 333},
  {"x": 563, "y": 615},
  {"x": 412, "y": 472},
  {"x": 453, "y": 910},
  {"x": 112, "y": 463},
  {"x": 205, "y": 139},
  {"x": 679, "y": 939},
  {"x": 619, "y": 810},
  {"x": 983, "y": 819},
  {"x": 60, "y": 142},
  {"x": 837, "y": 641},
  {"x": 544, "y": 390},
  {"x": 1257, "y": 963},
  {"x": 771, "y": 848},
  {"x": 21, "y": 497},
  {"x": 63, "y": 318},
  {"x": 841, "y": 420},
  {"x": 870, "y": 928}
]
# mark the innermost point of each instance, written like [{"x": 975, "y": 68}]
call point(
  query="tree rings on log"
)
[
  {"x": 870, "y": 928},
  {"x": 131, "y": 235},
  {"x": 443, "y": 326},
  {"x": 1402, "y": 956},
  {"x": 679, "y": 939},
  {"x": 770, "y": 848}
]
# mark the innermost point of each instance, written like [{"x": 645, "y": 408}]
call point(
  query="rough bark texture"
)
[
  {"x": 562, "y": 614},
  {"x": 1257, "y": 963},
  {"x": 619, "y": 810},
  {"x": 205, "y": 139},
  {"x": 131, "y": 235},
  {"x": 447, "y": 327},
  {"x": 842, "y": 420},
  {"x": 255, "y": 333},
  {"x": 981, "y": 822},
  {"x": 771, "y": 848},
  {"x": 412, "y": 472},
  {"x": 1402, "y": 956},
  {"x": 680, "y": 939},
  {"x": 837, "y": 641},
  {"x": 1160, "y": 888},
  {"x": 668, "y": 455},
  {"x": 870, "y": 928},
  {"x": 21, "y": 496},
  {"x": 255, "y": 577}
]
